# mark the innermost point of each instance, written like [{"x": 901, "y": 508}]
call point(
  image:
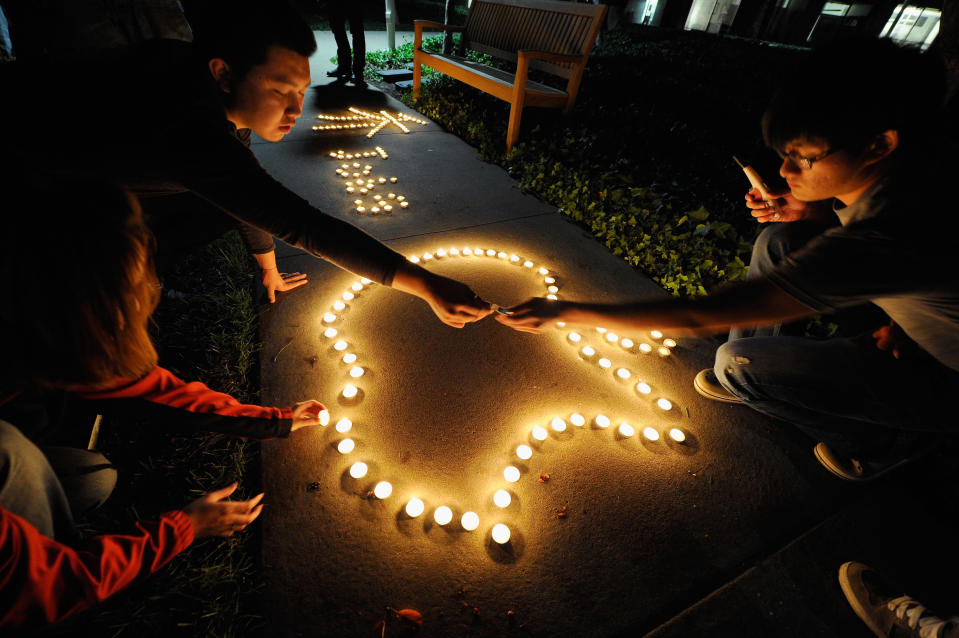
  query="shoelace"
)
[{"x": 911, "y": 611}]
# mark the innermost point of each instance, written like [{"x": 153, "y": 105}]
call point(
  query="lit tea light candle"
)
[
  {"x": 626, "y": 343},
  {"x": 511, "y": 473},
  {"x": 669, "y": 343},
  {"x": 470, "y": 521},
  {"x": 524, "y": 452},
  {"x": 440, "y": 253},
  {"x": 427, "y": 256},
  {"x": 356, "y": 372},
  {"x": 612, "y": 337},
  {"x": 329, "y": 317},
  {"x": 400, "y": 198},
  {"x": 414, "y": 259},
  {"x": 605, "y": 363},
  {"x": 338, "y": 305},
  {"x": 442, "y": 515},
  {"x": 575, "y": 337},
  {"x": 625, "y": 429},
  {"x": 387, "y": 208},
  {"x": 365, "y": 281},
  {"x": 414, "y": 507},
  {"x": 381, "y": 180},
  {"x": 664, "y": 404},
  {"x": 540, "y": 433},
  {"x": 577, "y": 419},
  {"x": 340, "y": 345},
  {"x": 677, "y": 435},
  {"x": 350, "y": 189},
  {"x": 391, "y": 196},
  {"x": 454, "y": 251},
  {"x": 549, "y": 280},
  {"x": 358, "y": 470},
  {"x": 329, "y": 333},
  {"x": 561, "y": 324},
  {"x": 602, "y": 420},
  {"x": 552, "y": 297},
  {"x": 361, "y": 210},
  {"x": 348, "y": 296},
  {"x": 514, "y": 259},
  {"x": 527, "y": 264},
  {"x": 358, "y": 202},
  {"x": 588, "y": 351},
  {"x": 643, "y": 388},
  {"x": 502, "y": 498},
  {"x": 383, "y": 490},
  {"x": 356, "y": 164},
  {"x": 349, "y": 357},
  {"x": 623, "y": 373},
  {"x": 393, "y": 180},
  {"x": 357, "y": 286},
  {"x": 467, "y": 251},
  {"x": 350, "y": 390},
  {"x": 601, "y": 331},
  {"x": 377, "y": 197},
  {"x": 375, "y": 210},
  {"x": 500, "y": 533},
  {"x": 343, "y": 425},
  {"x": 364, "y": 190},
  {"x": 651, "y": 433},
  {"x": 558, "y": 425},
  {"x": 490, "y": 252},
  {"x": 553, "y": 288},
  {"x": 345, "y": 446},
  {"x": 645, "y": 348},
  {"x": 501, "y": 255},
  {"x": 404, "y": 204},
  {"x": 655, "y": 334}
]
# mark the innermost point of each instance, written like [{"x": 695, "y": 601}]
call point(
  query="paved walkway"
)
[{"x": 737, "y": 531}]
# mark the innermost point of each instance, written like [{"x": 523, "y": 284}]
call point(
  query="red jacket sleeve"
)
[
  {"x": 162, "y": 397},
  {"x": 43, "y": 581}
]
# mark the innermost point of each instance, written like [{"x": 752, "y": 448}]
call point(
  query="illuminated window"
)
[
  {"x": 913, "y": 25},
  {"x": 711, "y": 16}
]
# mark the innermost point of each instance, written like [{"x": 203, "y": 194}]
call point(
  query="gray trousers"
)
[{"x": 50, "y": 487}]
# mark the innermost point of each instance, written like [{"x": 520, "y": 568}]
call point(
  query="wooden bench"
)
[{"x": 548, "y": 35}]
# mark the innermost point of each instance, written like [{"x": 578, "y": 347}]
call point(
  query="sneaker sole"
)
[
  {"x": 838, "y": 472},
  {"x": 846, "y": 585},
  {"x": 713, "y": 396}
]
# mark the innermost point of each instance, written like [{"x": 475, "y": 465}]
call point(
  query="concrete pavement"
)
[{"x": 734, "y": 532}]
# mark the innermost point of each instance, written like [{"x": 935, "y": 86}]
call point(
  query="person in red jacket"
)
[
  {"x": 43, "y": 580},
  {"x": 82, "y": 327}
]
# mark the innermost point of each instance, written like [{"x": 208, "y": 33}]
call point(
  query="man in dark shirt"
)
[
  {"x": 174, "y": 118},
  {"x": 856, "y": 148}
]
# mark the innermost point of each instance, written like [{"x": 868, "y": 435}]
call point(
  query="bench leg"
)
[
  {"x": 416, "y": 76},
  {"x": 512, "y": 132}
]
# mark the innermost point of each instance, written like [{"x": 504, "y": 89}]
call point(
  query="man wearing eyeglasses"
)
[{"x": 854, "y": 131}]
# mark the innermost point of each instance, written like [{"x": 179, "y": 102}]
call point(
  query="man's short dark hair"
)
[
  {"x": 847, "y": 92},
  {"x": 241, "y": 31}
]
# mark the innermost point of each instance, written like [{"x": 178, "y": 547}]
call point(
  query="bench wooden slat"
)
[{"x": 503, "y": 28}]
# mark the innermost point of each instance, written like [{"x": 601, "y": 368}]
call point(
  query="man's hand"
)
[
  {"x": 307, "y": 413},
  {"x": 891, "y": 338},
  {"x": 533, "y": 315},
  {"x": 212, "y": 516},
  {"x": 454, "y": 303},
  {"x": 274, "y": 281},
  {"x": 793, "y": 210}
]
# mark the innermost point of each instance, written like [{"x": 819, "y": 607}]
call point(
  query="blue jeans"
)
[
  {"x": 49, "y": 488},
  {"x": 858, "y": 399}
]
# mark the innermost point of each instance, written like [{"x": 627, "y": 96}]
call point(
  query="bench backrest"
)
[{"x": 502, "y": 27}]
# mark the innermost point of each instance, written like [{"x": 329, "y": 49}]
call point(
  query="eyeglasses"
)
[{"x": 802, "y": 161}]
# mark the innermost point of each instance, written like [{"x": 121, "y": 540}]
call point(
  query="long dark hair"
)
[{"x": 78, "y": 284}]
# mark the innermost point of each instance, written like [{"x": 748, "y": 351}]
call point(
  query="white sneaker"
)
[{"x": 708, "y": 385}]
